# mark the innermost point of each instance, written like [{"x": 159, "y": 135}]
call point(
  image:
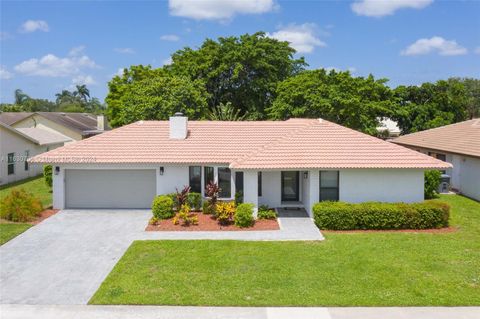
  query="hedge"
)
[
  {"x": 375, "y": 215},
  {"x": 162, "y": 207}
]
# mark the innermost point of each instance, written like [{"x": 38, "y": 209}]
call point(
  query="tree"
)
[
  {"x": 155, "y": 98},
  {"x": 355, "y": 102},
  {"x": 430, "y": 105},
  {"x": 82, "y": 92},
  {"x": 472, "y": 88},
  {"x": 20, "y": 97},
  {"x": 225, "y": 112},
  {"x": 242, "y": 70}
]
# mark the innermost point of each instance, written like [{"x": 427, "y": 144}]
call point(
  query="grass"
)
[
  {"x": 354, "y": 269},
  {"x": 11, "y": 230},
  {"x": 35, "y": 185}
]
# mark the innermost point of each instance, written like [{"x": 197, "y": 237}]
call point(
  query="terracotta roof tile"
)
[
  {"x": 460, "y": 138},
  {"x": 296, "y": 143}
]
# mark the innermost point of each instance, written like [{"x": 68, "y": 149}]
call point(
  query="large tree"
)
[
  {"x": 241, "y": 70},
  {"x": 430, "y": 105},
  {"x": 355, "y": 102},
  {"x": 145, "y": 94}
]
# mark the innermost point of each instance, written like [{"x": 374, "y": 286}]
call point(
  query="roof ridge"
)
[{"x": 265, "y": 147}]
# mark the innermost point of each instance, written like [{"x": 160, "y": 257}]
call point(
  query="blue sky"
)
[{"x": 47, "y": 46}]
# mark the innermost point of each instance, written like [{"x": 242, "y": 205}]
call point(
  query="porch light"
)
[
  {"x": 161, "y": 170},
  {"x": 57, "y": 170},
  {"x": 305, "y": 175}
]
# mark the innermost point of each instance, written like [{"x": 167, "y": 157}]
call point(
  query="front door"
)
[{"x": 290, "y": 186}]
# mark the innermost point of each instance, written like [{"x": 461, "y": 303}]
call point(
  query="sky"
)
[{"x": 48, "y": 46}]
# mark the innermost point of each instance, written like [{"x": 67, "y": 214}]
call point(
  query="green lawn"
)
[
  {"x": 9, "y": 231},
  {"x": 366, "y": 269},
  {"x": 35, "y": 185},
  {"x": 39, "y": 189}
]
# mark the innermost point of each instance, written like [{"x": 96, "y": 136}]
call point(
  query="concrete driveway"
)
[{"x": 64, "y": 259}]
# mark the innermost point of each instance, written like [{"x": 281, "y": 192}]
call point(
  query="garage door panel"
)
[{"x": 109, "y": 188}]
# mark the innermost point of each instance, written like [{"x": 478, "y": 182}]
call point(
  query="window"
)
[
  {"x": 195, "y": 177},
  {"x": 224, "y": 182},
  {"x": 11, "y": 163},
  {"x": 259, "y": 183},
  {"x": 27, "y": 154},
  {"x": 329, "y": 185},
  {"x": 239, "y": 182},
  {"x": 208, "y": 175}
]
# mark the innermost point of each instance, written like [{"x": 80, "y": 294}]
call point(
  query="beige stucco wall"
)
[
  {"x": 14, "y": 143},
  {"x": 43, "y": 123}
]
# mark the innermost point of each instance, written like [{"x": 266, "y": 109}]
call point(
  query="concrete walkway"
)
[
  {"x": 167, "y": 312},
  {"x": 64, "y": 259}
]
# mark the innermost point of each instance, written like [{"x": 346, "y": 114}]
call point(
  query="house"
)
[
  {"x": 388, "y": 128},
  {"x": 276, "y": 163},
  {"x": 75, "y": 126},
  {"x": 458, "y": 144},
  {"x": 17, "y": 145}
]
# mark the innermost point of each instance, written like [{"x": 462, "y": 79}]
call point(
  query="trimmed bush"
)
[
  {"x": 375, "y": 215},
  {"x": 20, "y": 206},
  {"x": 162, "y": 207},
  {"x": 244, "y": 215},
  {"x": 47, "y": 174},
  {"x": 432, "y": 181},
  {"x": 266, "y": 213},
  {"x": 207, "y": 209},
  {"x": 195, "y": 200}
]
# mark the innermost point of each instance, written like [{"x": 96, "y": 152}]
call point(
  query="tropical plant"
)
[
  {"x": 264, "y": 212},
  {"x": 20, "y": 97},
  {"x": 225, "y": 112},
  {"x": 224, "y": 212},
  {"x": 185, "y": 217},
  {"x": 47, "y": 174},
  {"x": 181, "y": 197},
  {"x": 195, "y": 200},
  {"x": 20, "y": 206},
  {"x": 82, "y": 92},
  {"x": 211, "y": 191}
]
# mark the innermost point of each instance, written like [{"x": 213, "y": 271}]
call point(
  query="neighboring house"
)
[
  {"x": 17, "y": 145},
  {"x": 388, "y": 128},
  {"x": 458, "y": 144},
  {"x": 277, "y": 163},
  {"x": 75, "y": 126}
]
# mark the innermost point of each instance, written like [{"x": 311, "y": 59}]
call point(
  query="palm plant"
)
[
  {"x": 82, "y": 92},
  {"x": 225, "y": 112},
  {"x": 20, "y": 97}
]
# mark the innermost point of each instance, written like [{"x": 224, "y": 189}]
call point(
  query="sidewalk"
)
[{"x": 170, "y": 312}]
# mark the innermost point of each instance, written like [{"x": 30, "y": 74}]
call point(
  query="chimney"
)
[
  {"x": 101, "y": 122},
  {"x": 178, "y": 126}
]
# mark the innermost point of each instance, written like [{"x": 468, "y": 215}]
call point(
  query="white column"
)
[
  {"x": 58, "y": 188},
  {"x": 250, "y": 189},
  {"x": 314, "y": 179}
]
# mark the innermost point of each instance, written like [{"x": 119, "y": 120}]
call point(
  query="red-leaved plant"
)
[
  {"x": 182, "y": 196},
  {"x": 211, "y": 191}
]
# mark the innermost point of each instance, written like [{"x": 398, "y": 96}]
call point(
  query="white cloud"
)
[
  {"x": 170, "y": 37},
  {"x": 83, "y": 79},
  {"x": 34, "y": 25},
  {"x": 124, "y": 50},
  {"x": 5, "y": 74},
  {"x": 380, "y": 8},
  {"x": 52, "y": 66},
  {"x": 218, "y": 9},
  {"x": 301, "y": 37},
  {"x": 434, "y": 44},
  {"x": 167, "y": 61}
]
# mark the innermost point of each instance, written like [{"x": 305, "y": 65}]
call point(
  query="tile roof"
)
[
  {"x": 460, "y": 138},
  {"x": 13, "y": 117},
  {"x": 295, "y": 143},
  {"x": 44, "y": 137}
]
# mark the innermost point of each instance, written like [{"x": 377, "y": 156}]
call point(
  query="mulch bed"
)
[
  {"x": 208, "y": 223},
  {"x": 433, "y": 231},
  {"x": 44, "y": 215}
]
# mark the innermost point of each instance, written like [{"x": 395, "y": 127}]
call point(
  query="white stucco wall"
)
[
  {"x": 271, "y": 189},
  {"x": 469, "y": 176},
  {"x": 384, "y": 185},
  {"x": 15, "y": 143},
  {"x": 43, "y": 123}
]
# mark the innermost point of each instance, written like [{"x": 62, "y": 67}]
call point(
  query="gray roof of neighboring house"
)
[
  {"x": 13, "y": 117},
  {"x": 83, "y": 123},
  {"x": 44, "y": 137}
]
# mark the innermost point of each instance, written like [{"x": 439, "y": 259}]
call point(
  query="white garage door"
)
[{"x": 109, "y": 188}]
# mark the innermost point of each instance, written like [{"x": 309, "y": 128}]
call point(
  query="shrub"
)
[
  {"x": 162, "y": 207},
  {"x": 266, "y": 213},
  {"x": 195, "y": 200},
  {"x": 238, "y": 198},
  {"x": 375, "y": 215},
  {"x": 224, "y": 212},
  {"x": 211, "y": 191},
  {"x": 181, "y": 198},
  {"x": 154, "y": 221},
  {"x": 47, "y": 174},
  {"x": 244, "y": 215},
  {"x": 432, "y": 181},
  {"x": 185, "y": 216},
  {"x": 207, "y": 209},
  {"x": 20, "y": 206}
]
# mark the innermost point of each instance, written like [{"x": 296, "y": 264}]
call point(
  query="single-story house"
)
[
  {"x": 277, "y": 163},
  {"x": 74, "y": 126},
  {"x": 17, "y": 145},
  {"x": 458, "y": 144}
]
